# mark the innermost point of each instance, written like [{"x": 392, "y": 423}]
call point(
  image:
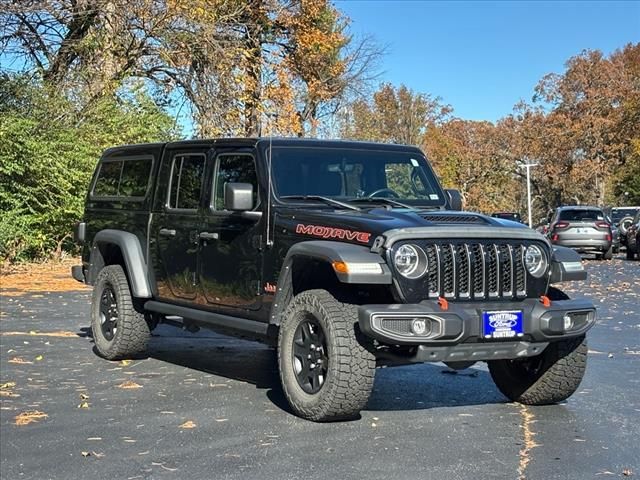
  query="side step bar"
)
[{"x": 225, "y": 323}]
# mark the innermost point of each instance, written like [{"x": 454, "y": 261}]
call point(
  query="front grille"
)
[
  {"x": 476, "y": 271},
  {"x": 398, "y": 326}
]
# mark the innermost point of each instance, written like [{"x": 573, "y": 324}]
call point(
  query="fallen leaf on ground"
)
[
  {"x": 188, "y": 424},
  {"x": 84, "y": 405},
  {"x": 627, "y": 472},
  {"x": 19, "y": 360},
  {"x": 84, "y": 396},
  {"x": 129, "y": 384},
  {"x": 31, "y": 416},
  {"x": 39, "y": 357},
  {"x": 5, "y": 386},
  {"x": 41, "y": 334},
  {"x": 124, "y": 363}
]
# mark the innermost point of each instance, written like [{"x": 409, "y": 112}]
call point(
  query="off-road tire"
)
[
  {"x": 132, "y": 334},
  {"x": 608, "y": 254},
  {"x": 351, "y": 366},
  {"x": 561, "y": 369}
]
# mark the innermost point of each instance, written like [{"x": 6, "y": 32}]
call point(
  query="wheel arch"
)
[
  {"x": 111, "y": 247},
  {"x": 308, "y": 265}
]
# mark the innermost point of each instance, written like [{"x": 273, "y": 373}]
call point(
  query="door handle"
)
[
  {"x": 209, "y": 236},
  {"x": 167, "y": 232}
]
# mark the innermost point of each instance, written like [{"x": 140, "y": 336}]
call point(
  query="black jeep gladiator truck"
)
[{"x": 343, "y": 255}]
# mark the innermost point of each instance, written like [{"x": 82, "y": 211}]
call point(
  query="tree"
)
[{"x": 48, "y": 150}]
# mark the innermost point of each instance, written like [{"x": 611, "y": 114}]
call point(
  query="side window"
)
[
  {"x": 123, "y": 178},
  {"x": 234, "y": 168},
  {"x": 134, "y": 178},
  {"x": 186, "y": 181},
  {"x": 108, "y": 180}
]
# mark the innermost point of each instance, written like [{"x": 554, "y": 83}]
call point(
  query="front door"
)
[
  {"x": 230, "y": 264},
  {"x": 174, "y": 230}
]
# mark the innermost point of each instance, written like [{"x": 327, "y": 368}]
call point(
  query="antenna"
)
[{"x": 269, "y": 241}]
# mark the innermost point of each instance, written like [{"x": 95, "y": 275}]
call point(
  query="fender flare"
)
[
  {"x": 329, "y": 252},
  {"x": 566, "y": 265},
  {"x": 132, "y": 254}
]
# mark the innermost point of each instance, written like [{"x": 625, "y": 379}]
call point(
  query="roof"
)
[
  {"x": 275, "y": 141},
  {"x": 579, "y": 207}
]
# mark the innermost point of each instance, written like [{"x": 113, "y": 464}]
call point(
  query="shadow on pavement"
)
[{"x": 413, "y": 387}]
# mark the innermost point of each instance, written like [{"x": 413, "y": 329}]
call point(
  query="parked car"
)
[
  {"x": 622, "y": 218},
  {"x": 633, "y": 237},
  {"x": 343, "y": 255},
  {"x": 513, "y": 216},
  {"x": 584, "y": 229},
  {"x": 615, "y": 238}
]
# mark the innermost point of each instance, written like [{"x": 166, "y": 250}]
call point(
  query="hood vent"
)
[{"x": 453, "y": 218}]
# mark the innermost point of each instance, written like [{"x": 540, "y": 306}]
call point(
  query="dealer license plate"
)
[{"x": 502, "y": 324}]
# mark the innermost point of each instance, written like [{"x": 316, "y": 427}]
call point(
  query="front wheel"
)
[
  {"x": 326, "y": 370},
  {"x": 550, "y": 377}
]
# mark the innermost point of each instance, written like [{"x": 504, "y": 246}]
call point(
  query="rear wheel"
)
[
  {"x": 119, "y": 331},
  {"x": 326, "y": 371},
  {"x": 550, "y": 377}
]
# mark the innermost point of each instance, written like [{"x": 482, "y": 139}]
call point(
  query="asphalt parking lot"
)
[{"x": 203, "y": 406}]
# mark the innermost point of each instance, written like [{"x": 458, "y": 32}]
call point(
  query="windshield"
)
[
  {"x": 351, "y": 174},
  {"x": 581, "y": 215},
  {"x": 618, "y": 214}
]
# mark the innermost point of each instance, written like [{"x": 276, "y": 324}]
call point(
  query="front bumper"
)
[{"x": 456, "y": 333}]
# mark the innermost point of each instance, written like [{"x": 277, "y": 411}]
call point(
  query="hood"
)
[{"x": 366, "y": 225}]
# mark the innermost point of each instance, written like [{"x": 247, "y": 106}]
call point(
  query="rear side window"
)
[
  {"x": 127, "y": 178},
  {"x": 579, "y": 215},
  {"x": 186, "y": 181}
]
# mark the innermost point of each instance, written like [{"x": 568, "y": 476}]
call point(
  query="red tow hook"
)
[
  {"x": 444, "y": 305},
  {"x": 546, "y": 301}
]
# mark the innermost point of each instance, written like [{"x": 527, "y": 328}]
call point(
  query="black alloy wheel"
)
[
  {"x": 108, "y": 313},
  {"x": 309, "y": 355}
]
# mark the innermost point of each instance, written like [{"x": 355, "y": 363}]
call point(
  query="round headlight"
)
[
  {"x": 535, "y": 260},
  {"x": 410, "y": 261}
]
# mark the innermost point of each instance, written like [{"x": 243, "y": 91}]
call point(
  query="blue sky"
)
[{"x": 483, "y": 57}]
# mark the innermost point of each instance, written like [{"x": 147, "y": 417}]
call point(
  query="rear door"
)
[{"x": 174, "y": 226}]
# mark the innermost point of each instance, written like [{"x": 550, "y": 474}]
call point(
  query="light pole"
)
[{"x": 528, "y": 166}]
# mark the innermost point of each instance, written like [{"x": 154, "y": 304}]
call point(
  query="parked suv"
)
[
  {"x": 633, "y": 237},
  {"x": 622, "y": 218},
  {"x": 344, "y": 255},
  {"x": 584, "y": 229}
]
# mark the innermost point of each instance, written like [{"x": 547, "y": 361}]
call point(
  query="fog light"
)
[
  {"x": 568, "y": 322},
  {"x": 419, "y": 326}
]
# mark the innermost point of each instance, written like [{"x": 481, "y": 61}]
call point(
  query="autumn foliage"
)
[{"x": 87, "y": 74}]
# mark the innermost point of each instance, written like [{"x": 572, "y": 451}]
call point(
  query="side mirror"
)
[
  {"x": 454, "y": 199},
  {"x": 238, "y": 196}
]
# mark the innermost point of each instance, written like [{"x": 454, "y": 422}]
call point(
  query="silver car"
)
[{"x": 585, "y": 229}]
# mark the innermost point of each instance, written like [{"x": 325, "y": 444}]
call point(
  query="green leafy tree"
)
[{"x": 48, "y": 150}]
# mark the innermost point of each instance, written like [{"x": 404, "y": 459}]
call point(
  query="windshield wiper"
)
[
  {"x": 327, "y": 200},
  {"x": 383, "y": 199}
]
